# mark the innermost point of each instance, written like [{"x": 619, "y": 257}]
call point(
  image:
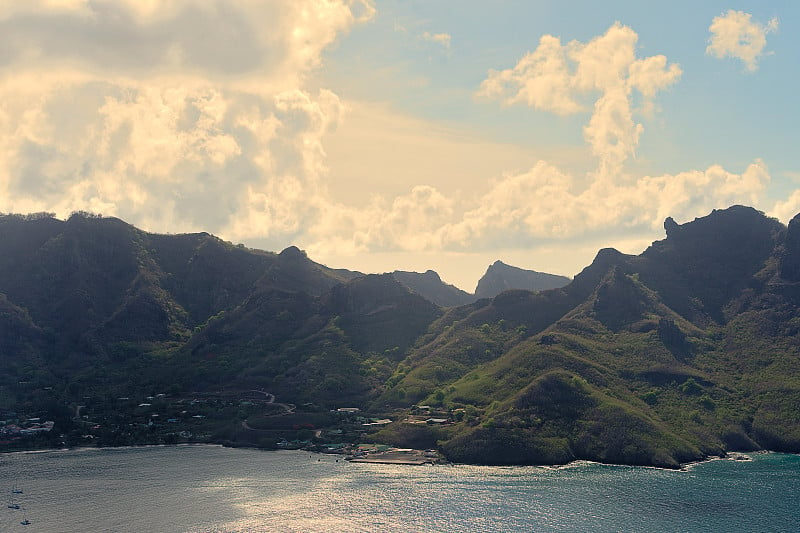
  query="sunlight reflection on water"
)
[{"x": 212, "y": 489}]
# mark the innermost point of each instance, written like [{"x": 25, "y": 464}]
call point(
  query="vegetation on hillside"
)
[{"x": 691, "y": 348}]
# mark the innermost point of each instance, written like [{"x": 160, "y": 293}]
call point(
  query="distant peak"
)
[
  {"x": 670, "y": 226},
  {"x": 606, "y": 258},
  {"x": 294, "y": 251},
  {"x": 501, "y": 277},
  {"x": 429, "y": 274},
  {"x": 605, "y": 253}
]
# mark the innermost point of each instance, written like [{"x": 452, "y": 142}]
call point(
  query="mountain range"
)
[
  {"x": 499, "y": 277},
  {"x": 686, "y": 350}
]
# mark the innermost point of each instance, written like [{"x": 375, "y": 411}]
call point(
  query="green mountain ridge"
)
[{"x": 687, "y": 350}]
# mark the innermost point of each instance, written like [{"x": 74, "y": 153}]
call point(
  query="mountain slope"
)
[
  {"x": 688, "y": 349},
  {"x": 94, "y": 300}
]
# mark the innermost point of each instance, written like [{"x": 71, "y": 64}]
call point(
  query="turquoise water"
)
[{"x": 213, "y": 489}]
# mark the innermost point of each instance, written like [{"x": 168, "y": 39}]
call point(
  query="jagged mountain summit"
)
[
  {"x": 501, "y": 277},
  {"x": 685, "y": 350},
  {"x": 431, "y": 286}
]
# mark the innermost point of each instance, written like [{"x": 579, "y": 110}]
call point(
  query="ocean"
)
[{"x": 215, "y": 489}]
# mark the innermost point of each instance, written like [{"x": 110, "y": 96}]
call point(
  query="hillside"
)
[
  {"x": 689, "y": 349},
  {"x": 89, "y": 300}
]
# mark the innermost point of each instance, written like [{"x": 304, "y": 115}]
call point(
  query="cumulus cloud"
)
[
  {"x": 534, "y": 207},
  {"x": 185, "y": 116},
  {"x": 275, "y": 40},
  {"x": 735, "y": 34},
  {"x": 541, "y": 205},
  {"x": 786, "y": 210},
  {"x": 173, "y": 114},
  {"x": 606, "y": 80},
  {"x": 603, "y": 76}
]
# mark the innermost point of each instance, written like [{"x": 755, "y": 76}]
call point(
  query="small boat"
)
[
  {"x": 11, "y": 503},
  {"x": 15, "y": 490},
  {"x": 25, "y": 521}
]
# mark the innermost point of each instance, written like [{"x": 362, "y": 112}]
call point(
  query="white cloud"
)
[
  {"x": 174, "y": 115},
  {"x": 440, "y": 38},
  {"x": 540, "y": 205},
  {"x": 735, "y": 34},
  {"x": 541, "y": 79},
  {"x": 273, "y": 44},
  {"x": 565, "y": 78},
  {"x": 530, "y": 209},
  {"x": 786, "y": 210},
  {"x": 184, "y": 116},
  {"x": 545, "y": 203}
]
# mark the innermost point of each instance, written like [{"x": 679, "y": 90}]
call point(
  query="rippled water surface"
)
[{"x": 213, "y": 489}]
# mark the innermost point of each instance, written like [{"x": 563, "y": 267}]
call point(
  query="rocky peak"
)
[
  {"x": 293, "y": 252},
  {"x": 501, "y": 277}
]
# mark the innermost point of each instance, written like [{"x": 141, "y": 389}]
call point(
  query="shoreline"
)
[
  {"x": 378, "y": 461},
  {"x": 416, "y": 457}
]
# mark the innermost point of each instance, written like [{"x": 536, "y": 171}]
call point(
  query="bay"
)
[{"x": 215, "y": 489}]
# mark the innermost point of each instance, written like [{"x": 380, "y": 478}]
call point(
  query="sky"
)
[{"x": 402, "y": 135}]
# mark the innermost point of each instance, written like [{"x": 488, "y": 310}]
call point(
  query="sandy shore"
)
[{"x": 395, "y": 458}]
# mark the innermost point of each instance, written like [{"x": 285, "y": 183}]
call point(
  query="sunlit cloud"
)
[
  {"x": 603, "y": 74},
  {"x": 173, "y": 115},
  {"x": 541, "y": 205},
  {"x": 182, "y": 116},
  {"x": 785, "y": 210},
  {"x": 439, "y": 38},
  {"x": 605, "y": 79},
  {"x": 735, "y": 34}
]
